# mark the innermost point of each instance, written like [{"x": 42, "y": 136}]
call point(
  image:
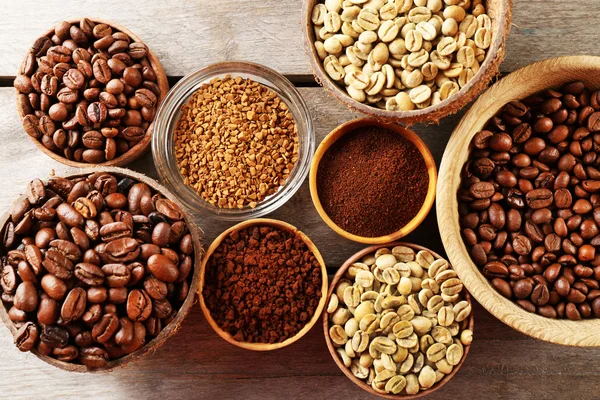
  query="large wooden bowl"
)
[
  {"x": 140, "y": 147},
  {"x": 332, "y": 349},
  {"x": 522, "y": 83},
  {"x": 500, "y": 11},
  {"x": 285, "y": 227},
  {"x": 173, "y": 326},
  {"x": 350, "y": 126}
]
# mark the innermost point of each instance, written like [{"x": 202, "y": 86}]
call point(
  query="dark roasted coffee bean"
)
[
  {"x": 54, "y": 336},
  {"x": 117, "y": 275}
]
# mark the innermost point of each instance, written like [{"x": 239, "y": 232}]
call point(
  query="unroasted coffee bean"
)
[
  {"x": 528, "y": 202},
  {"x": 74, "y": 79},
  {"x": 82, "y": 274}
]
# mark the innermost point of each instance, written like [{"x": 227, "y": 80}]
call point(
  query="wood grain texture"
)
[
  {"x": 518, "y": 85},
  {"x": 190, "y": 34}
]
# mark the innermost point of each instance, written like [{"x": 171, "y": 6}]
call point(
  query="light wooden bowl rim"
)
[
  {"x": 324, "y": 285},
  {"x": 140, "y": 147},
  {"x": 488, "y": 70},
  {"x": 169, "y": 330},
  {"x": 348, "y": 127},
  {"x": 332, "y": 349},
  {"x": 552, "y": 72}
]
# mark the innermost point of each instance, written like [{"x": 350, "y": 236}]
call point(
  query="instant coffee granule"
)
[
  {"x": 372, "y": 182},
  {"x": 236, "y": 142},
  {"x": 262, "y": 285}
]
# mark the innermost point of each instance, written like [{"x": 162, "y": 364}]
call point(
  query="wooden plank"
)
[{"x": 191, "y": 34}]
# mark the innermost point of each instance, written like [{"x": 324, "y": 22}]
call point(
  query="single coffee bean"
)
[
  {"x": 27, "y": 336},
  {"x": 26, "y": 297},
  {"x": 74, "y": 305},
  {"x": 93, "y": 357},
  {"x": 139, "y": 305},
  {"x": 54, "y": 336},
  {"x": 163, "y": 268}
]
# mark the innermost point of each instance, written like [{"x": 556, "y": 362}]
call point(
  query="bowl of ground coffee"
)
[
  {"x": 263, "y": 284},
  {"x": 372, "y": 182},
  {"x": 99, "y": 268},
  {"x": 519, "y": 200}
]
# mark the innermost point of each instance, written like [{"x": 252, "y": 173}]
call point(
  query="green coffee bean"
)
[
  {"x": 454, "y": 354},
  {"x": 462, "y": 310},
  {"x": 340, "y": 316},
  {"x": 436, "y": 352},
  {"x": 363, "y": 309},
  {"x": 466, "y": 337},
  {"x": 412, "y": 384},
  {"x": 443, "y": 276},
  {"x": 346, "y": 360},
  {"x": 338, "y": 335},
  {"x": 360, "y": 341},
  {"x": 369, "y": 323},
  {"x": 384, "y": 345},
  {"x": 332, "y": 22},
  {"x": 396, "y": 384},
  {"x": 366, "y": 360},
  {"x": 427, "y": 377},
  {"x": 358, "y": 370},
  {"x": 352, "y": 296},
  {"x": 441, "y": 335},
  {"x": 451, "y": 286}
]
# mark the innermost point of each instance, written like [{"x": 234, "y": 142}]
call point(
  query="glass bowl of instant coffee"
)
[
  {"x": 399, "y": 323},
  {"x": 88, "y": 91},
  {"x": 99, "y": 268},
  {"x": 263, "y": 284},
  {"x": 234, "y": 140},
  {"x": 519, "y": 200},
  {"x": 372, "y": 182}
]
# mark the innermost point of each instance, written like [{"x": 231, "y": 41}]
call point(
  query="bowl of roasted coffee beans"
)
[
  {"x": 234, "y": 140},
  {"x": 372, "y": 182},
  {"x": 519, "y": 200},
  {"x": 399, "y": 322},
  {"x": 263, "y": 284},
  {"x": 88, "y": 91},
  {"x": 415, "y": 60},
  {"x": 99, "y": 268}
]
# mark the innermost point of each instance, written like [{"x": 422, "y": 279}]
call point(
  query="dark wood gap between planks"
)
[{"x": 297, "y": 80}]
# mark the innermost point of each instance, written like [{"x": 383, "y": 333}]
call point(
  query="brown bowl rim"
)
[
  {"x": 140, "y": 147},
  {"x": 348, "y": 127},
  {"x": 332, "y": 351},
  {"x": 169, "y": 330},
  {"x": 582, "y": 333},
  {"x": 324, "y": 285},
  {"x": 488, "y": 70}
]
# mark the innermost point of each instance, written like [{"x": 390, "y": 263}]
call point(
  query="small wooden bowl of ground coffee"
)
[
  {"x": 263, "y": 284},
  {"x": 373, "y": 182}
]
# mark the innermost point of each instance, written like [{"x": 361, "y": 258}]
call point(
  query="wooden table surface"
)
[{"x": 196, "y": 363}]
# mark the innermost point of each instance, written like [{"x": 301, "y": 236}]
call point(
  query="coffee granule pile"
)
[
  {"x": 263, "y": 285},
  {"x": 372, "y": 182}
]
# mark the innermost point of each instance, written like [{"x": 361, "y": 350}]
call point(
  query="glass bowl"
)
[{"x": 163, "y": 139}]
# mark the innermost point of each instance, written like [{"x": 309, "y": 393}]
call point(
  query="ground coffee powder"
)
[
  {"x": 372, "y": 182},
  {"x": 262, "y": 285}
]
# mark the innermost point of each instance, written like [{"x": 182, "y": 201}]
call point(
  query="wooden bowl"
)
[
  {"x": 500, "y": 11},
  {"x": 350, "y": 126},
  {"x": 140, "y": 147},
  {"x": 553, "y": 72},
  {"x": 173, "y": 326},
  {"x": 285, "y": 227},
  {"x": 332, "y": 349}
]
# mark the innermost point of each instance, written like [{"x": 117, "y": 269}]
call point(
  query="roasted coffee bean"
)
[
  {"x": 27, "y": 336},
  {"x": 74, "y": 305},
  {"x": 537, "y": 212},
  {"x": 93, "y": 357},
  {"x": 163, "y": 268},
  {"x": 139, "y": 305},
  {"x": 117, "y": 275},
  {"x": 97, "y": 241},
  {"x": 26, "y": 297},
  {"x": 89, "y": 274},
  {"x": 54, "y": 336}
]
